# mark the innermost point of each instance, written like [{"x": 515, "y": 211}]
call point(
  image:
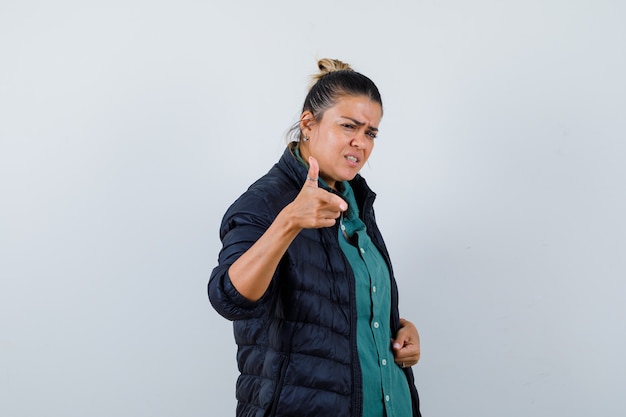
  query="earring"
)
[{"x": 305, "y": 139}]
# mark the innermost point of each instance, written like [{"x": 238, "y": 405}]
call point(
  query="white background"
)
[{"x": 128, "y": 127}]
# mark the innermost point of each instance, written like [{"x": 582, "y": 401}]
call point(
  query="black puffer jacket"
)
[{"x": 297, "y": 350}]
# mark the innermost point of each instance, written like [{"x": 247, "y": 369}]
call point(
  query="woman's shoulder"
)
[
  {"x": 266, "y": 196},
  {"x": 281, "y": 183}
]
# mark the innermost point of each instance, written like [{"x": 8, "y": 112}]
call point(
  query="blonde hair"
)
[{"x": 326, "y": 66}]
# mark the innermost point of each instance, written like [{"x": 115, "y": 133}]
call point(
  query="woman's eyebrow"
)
[{"x": 356, "y": 122}]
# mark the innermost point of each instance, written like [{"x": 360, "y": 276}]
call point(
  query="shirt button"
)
[
  {"x": 387, "y": 398},
  {"x": 374, "y": 288},
  {"x": 384, "y": 362},
  {"x": 362, "y": 250},
  {"x": 376, "y": 325}
]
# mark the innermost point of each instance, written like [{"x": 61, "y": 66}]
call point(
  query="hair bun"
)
[{"x": 328, "y": 65}]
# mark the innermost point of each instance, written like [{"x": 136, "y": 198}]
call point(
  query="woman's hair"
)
[{"x": 334, "y": 80}]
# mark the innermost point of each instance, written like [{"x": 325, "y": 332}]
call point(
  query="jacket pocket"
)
[{"x": 282, "y": 370}]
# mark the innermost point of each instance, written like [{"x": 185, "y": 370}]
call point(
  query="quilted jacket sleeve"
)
[{"x": 243, "y": 224}]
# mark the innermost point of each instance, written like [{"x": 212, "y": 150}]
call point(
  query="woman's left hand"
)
[{"x": 406, "y": 345}]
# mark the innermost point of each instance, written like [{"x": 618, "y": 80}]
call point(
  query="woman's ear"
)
[{"x": 306, "y": 122}]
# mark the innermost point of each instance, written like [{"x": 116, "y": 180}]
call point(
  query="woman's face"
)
[{"x": 343, "y": 140}]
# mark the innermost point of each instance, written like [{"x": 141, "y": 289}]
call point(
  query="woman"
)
[{"x": 305, "y": 275}]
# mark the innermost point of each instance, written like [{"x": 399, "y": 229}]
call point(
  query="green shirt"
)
[{"x": 385, "y": 387}]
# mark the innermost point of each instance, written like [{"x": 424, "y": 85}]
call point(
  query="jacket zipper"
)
[{"x": 279, "y": 385}]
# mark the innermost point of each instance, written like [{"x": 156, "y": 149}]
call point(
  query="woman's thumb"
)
[{"x": 314, "y": 172}]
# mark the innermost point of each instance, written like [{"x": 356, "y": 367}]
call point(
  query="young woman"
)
[{"x": 305, "y": 276}]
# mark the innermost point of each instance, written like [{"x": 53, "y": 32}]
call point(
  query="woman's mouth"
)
[{"x": 352, "y": 158}]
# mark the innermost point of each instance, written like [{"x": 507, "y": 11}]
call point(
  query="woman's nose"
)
[{"x": 357, "y": 140}]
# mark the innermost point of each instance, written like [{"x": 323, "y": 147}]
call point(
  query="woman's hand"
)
[
  {"x": 406, "y": 345},
  {"x": 314, "y": 207}
]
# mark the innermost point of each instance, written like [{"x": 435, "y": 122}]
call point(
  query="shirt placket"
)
[{"x": 379, "y": 324}]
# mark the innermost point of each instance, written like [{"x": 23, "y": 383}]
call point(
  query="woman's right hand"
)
[
  {"x": 312, "y": 208},
  {"x": 315, "y": 207}
]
